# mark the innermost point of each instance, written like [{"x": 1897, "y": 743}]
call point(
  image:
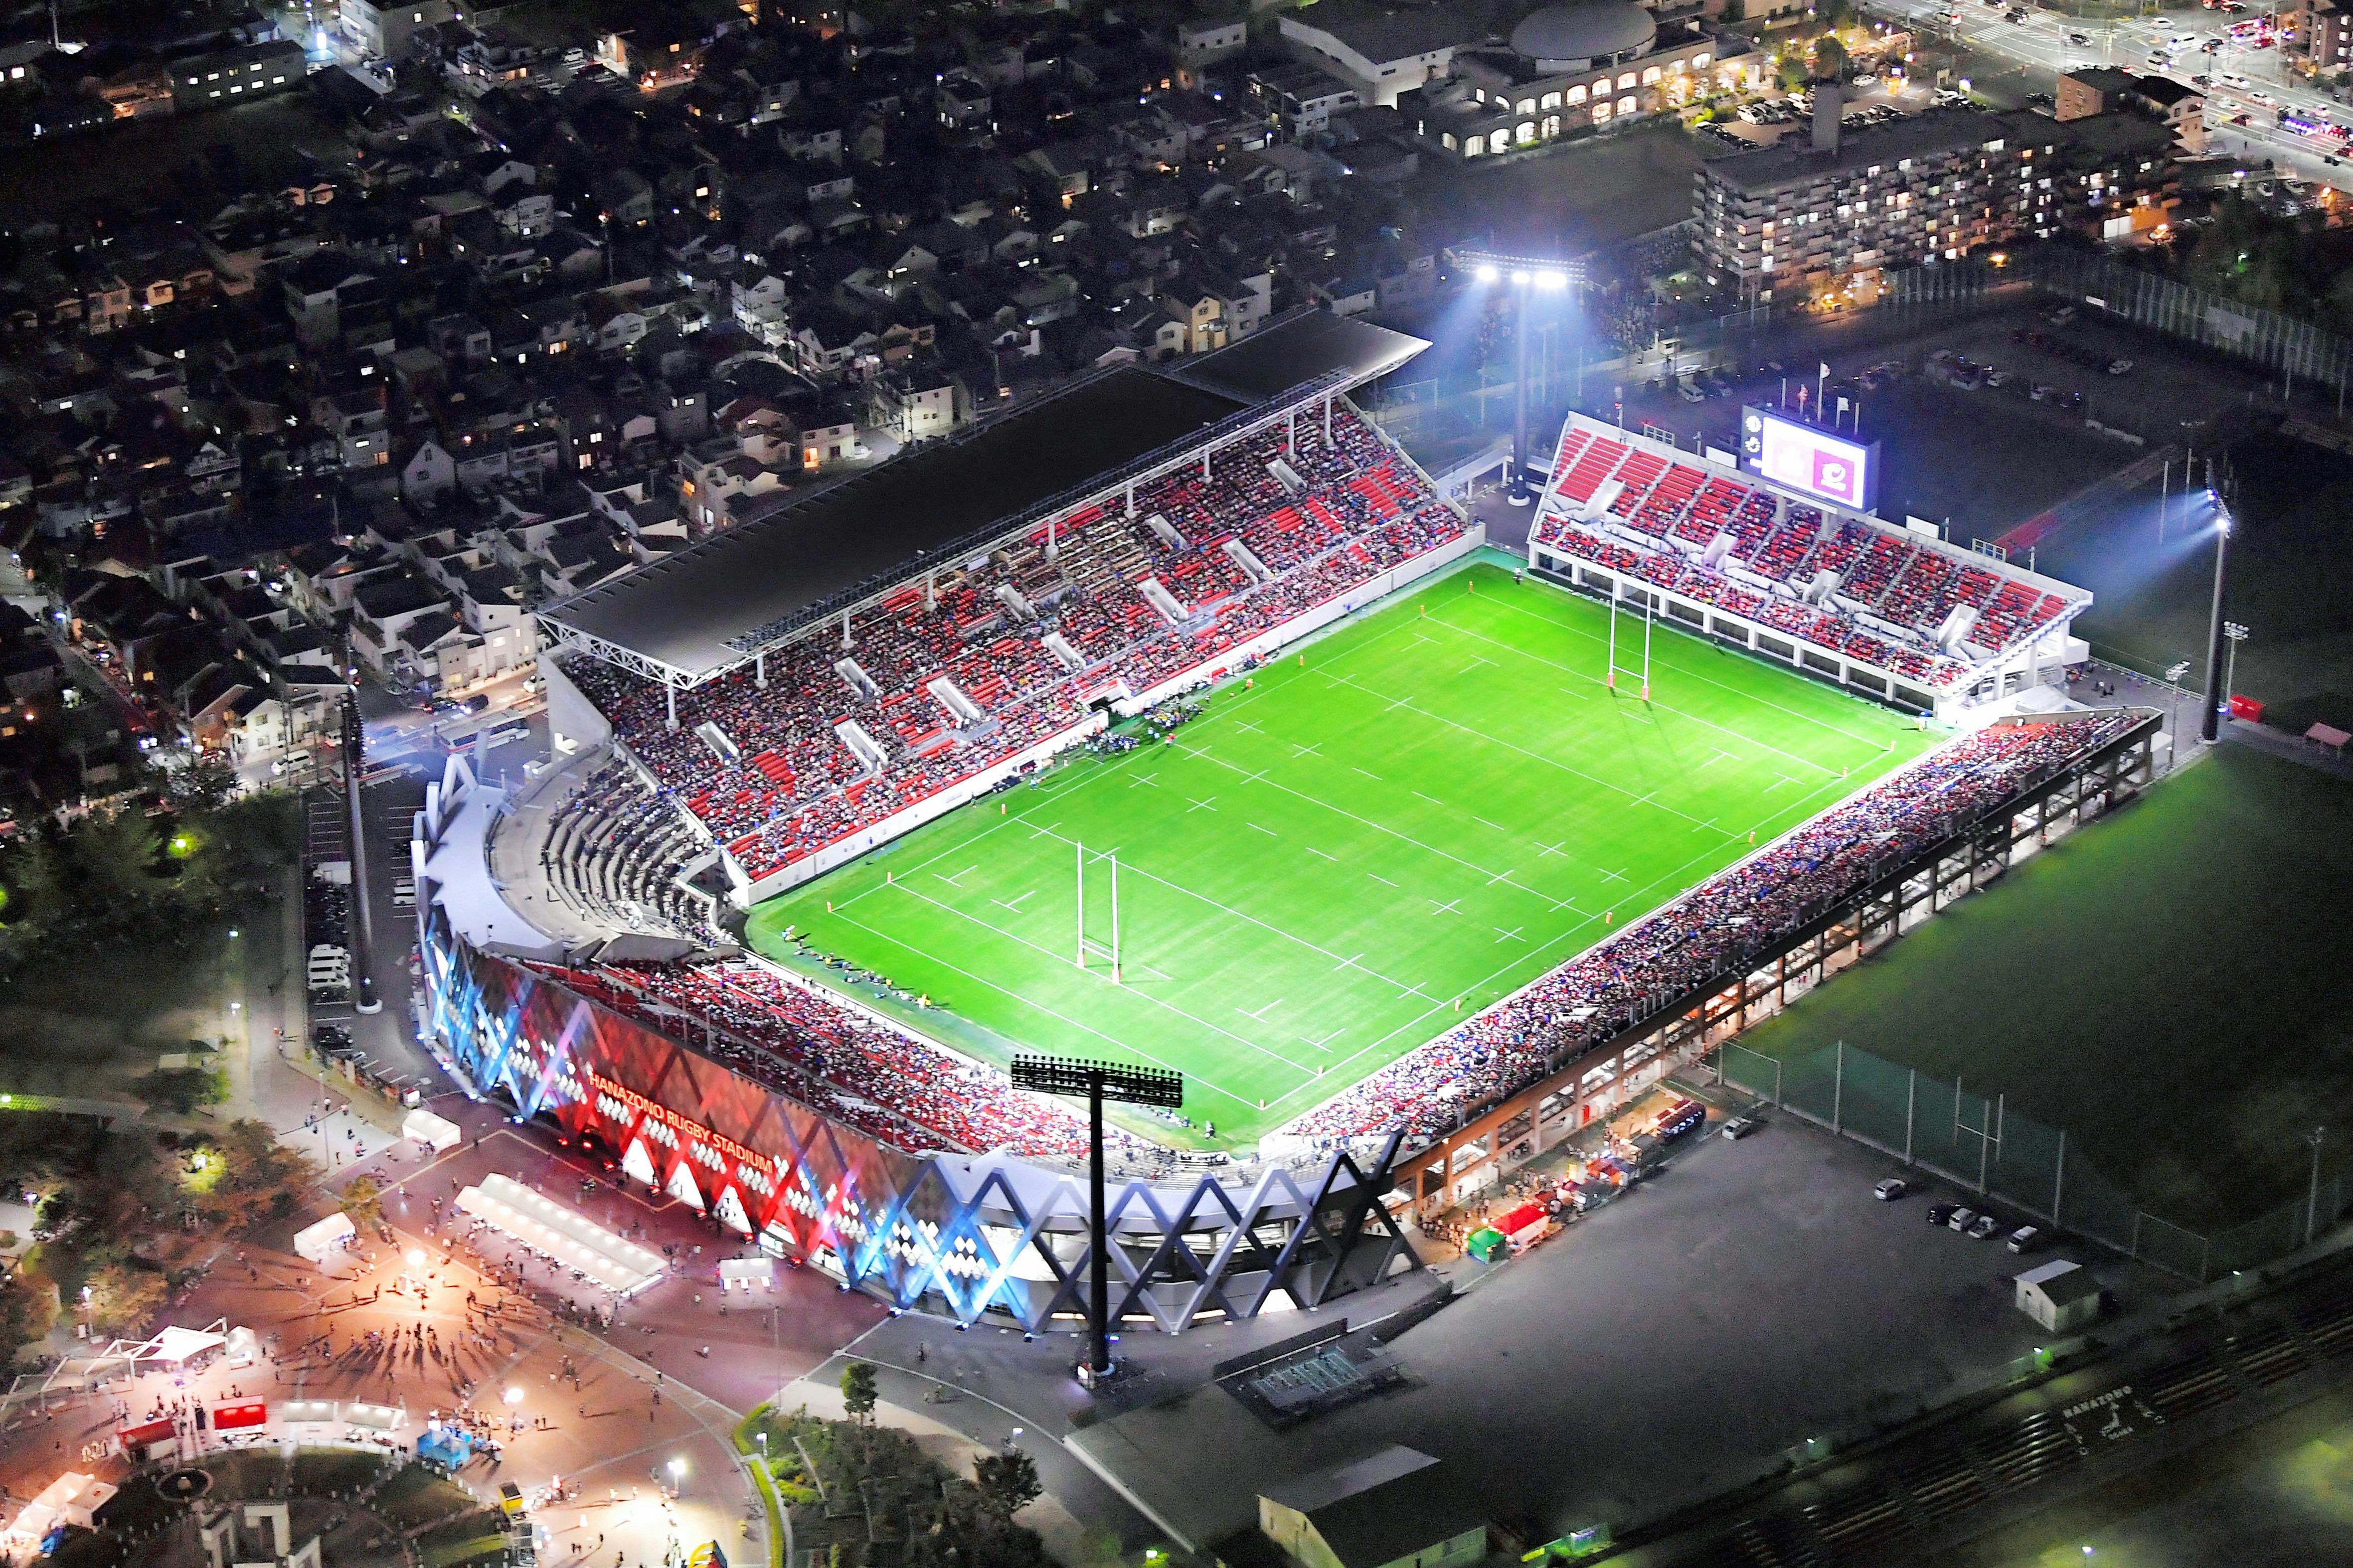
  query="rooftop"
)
[
  {"x": 1795, "y": 161},
  {"x": 1391, "y": 31},
  {"x": 688, "y": 611}
]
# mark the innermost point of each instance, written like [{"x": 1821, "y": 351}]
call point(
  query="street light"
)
[
  {"x": 2237, "y": 634},
  {"x": 1550, "y": 276}
]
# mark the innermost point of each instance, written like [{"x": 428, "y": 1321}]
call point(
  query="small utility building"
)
[
  {"x": 1394, "y": 1509},
  {"x": 2060, "y": 1295}
]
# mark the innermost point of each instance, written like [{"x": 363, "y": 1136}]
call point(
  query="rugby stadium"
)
[{"x": 1180, "y": 719}]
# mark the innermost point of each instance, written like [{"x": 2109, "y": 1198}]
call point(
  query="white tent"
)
[
  {"x": 73, "y": 1498},
  {"x": 563, "y": 1234},
  {"x": 435, "y": 1132},
  {"x": 316, "y": 1243},
  {"x": 746, "y": 1272}
]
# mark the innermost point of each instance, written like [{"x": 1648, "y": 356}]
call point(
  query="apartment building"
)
[{"x": 1833, "y": 208}]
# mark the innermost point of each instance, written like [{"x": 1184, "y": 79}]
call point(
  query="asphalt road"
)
[{"x": 2047, "y": 43}]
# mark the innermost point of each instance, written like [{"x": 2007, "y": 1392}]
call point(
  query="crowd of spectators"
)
[
  {"x": 887, "y": 1085},
  {"x": 1263, "y": 532},
  {"x": 1893, "y": 595},
  {"x": 1708, "y": 936}
]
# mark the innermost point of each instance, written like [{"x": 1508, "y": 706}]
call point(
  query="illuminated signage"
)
[
  {"x": 1804, "y": 458},
  {"x": 227, "y": 1417},
  {"x": 640, "y": 1104}
]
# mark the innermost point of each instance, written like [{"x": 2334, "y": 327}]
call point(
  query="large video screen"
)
[{"x": 1805, "y": 458}]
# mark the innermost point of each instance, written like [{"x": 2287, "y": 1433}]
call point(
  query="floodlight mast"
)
[
  {"x": 1098, "y": 1081},
  {"x": 2209, "y": 723},
  {"x": 1525, "y": 273}
]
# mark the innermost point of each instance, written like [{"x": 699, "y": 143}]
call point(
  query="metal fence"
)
[
  {"x": 1976, "y": 1143},
  {"x": 2296, "y": 349}
]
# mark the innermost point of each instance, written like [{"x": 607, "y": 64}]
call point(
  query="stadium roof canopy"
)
[
  {"x": 1300, "y": 347},
  {"x": 693, "y": 611},
  {"x": 794, "y": 558}
]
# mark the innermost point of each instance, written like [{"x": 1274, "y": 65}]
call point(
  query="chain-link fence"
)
[
  {"x": 1978, "y": 1143},
  {"x": 2299, "y": 349}
]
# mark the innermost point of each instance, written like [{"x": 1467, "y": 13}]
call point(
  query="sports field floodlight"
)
[
  {"x": 2209, "y": 724},
  {"x": 1098, "y": 1081},
  {"x": 1550, "y": 275}
]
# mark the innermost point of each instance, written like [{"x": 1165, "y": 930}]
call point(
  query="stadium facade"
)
[{"x": 798, "y": 1118}]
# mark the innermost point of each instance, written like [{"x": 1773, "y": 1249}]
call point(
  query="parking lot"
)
[
  {"x": 1683, "y": 1339},
  {"x": 1869, "y": 102},
  {"x": 1985, "y": 457}
]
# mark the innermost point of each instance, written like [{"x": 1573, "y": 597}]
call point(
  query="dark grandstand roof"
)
[
  {"x": 1298, "y": 348},
  {"x": 685, "y": 611}
]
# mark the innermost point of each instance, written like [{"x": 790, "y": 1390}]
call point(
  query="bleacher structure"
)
[
  {"x": 862, "y": 714},
  {"x": 1899, "y": 615}
]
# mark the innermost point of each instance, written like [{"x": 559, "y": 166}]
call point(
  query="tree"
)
[
  {"x": 858, "y": 1396},
  {"x": 124, "y": 1296},
  {"x": 260, "y": 1178},
  {"x": 1829, "y": 58},
  {"x": 1008, "y": 1482},
  {"x": 1736, "y": 11},
  {"x": 363, "y": 1200}
]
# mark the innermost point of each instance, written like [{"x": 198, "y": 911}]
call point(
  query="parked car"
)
[
  {"x": 1942, "y": 1213},
  {"x": 2025, "y": 1238},
  {"x": 1890, "y": 1189},
  {"x": 2119, "y": 366},
  {"x": 1962, "y": 1219},
  {"x": 1983, "y": 1227},
  {"x": 1737, "y": 1128},
  {"x": 1690, "y": 394}
]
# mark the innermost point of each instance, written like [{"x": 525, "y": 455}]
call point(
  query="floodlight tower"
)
[
  {"x": 1527, "y": 275},
  {"x": 2209, "y": 726},
  {"x": 363, "y": 919},
  {"x": 1098, "y": 1081}
]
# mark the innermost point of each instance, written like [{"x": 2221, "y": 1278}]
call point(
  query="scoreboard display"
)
[{"x": 1805, "y": 458}]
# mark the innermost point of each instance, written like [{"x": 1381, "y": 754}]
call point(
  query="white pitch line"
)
[
  {"x": 1496, "y": 825},
  {"x": 1378, "y": 877},
  {"x": 1270, "y": 832},
  {"x": 1375, "y": 777},
  {"x": 952, "y": 881},
  {"x": 1015, "y": 905},
  {"x": 1312, "y": 850}
]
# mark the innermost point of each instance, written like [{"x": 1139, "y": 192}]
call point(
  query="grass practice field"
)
[
  {"x": 1409, "y": 818},
  {"x": 2167, "y": 985}
]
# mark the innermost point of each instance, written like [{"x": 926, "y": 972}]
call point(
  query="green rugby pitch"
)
[{"x": 1393, "y": 826}]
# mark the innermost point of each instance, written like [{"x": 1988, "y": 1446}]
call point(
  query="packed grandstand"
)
[
  {"x": 901, "y": 689},
  {"x": 985, "y": 658},
  {"x": 1845, "y": 584}
]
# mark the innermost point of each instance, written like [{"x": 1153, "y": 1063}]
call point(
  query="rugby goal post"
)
[
  {"x": 1641, "y": 676},
  {"x": 1090, "y": 946}
]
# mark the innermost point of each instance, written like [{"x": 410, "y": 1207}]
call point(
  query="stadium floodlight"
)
[
  {"x": 1098, "y": 1081},
  {"x": 1549, "y": 275},
  {"x": 2209, "y": 725}
]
